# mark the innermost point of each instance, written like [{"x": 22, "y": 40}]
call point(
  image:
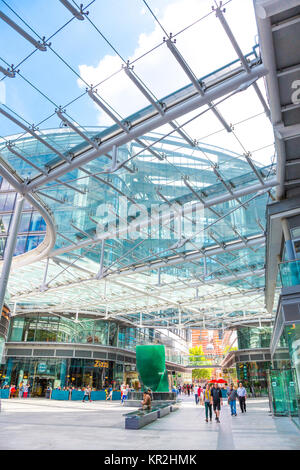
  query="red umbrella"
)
[
  {"x": 221, "y": 381},
  {"x": 212, "y": 381}
]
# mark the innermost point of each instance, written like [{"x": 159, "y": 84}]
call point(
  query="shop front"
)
[
  {"x": 131, "y": 377},
  {"x": 42, "y": 374},
  {"x": 253, "y": 376}
]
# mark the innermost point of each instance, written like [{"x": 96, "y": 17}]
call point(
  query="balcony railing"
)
[{"x": 289, "y": 272}]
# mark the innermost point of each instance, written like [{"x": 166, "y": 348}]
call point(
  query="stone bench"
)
[
  {"x": 163, "y": 410},
  {"x": 140, "y": 418}
]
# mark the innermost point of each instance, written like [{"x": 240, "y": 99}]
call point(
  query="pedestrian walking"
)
[
  {"x": 196, "y": 394},
  {"x": 21, "y": 390},
  {"x": 217, "y": 400},
  {"x": 207, "y": 403},
  {"x": 87, "y": 394},
  {"x": 25, "y": 393},
  {"x": 242, "y": 395},
  {"x": 232, "y": 396}
]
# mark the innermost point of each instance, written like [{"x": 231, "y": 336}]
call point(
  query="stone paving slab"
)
[{"x": 48, "y": 424}]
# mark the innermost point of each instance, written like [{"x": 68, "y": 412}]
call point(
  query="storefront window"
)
[
  {"x": 251, "y": 338},
  {"x": 113, "y": 334},
  {"x": 253, "y": 376},
  {"x": 101, "y": 332}
]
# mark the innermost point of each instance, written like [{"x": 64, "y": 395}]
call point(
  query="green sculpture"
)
[{"x": 151, "y": 366}]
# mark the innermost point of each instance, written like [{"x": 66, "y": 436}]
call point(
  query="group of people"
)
[
  {"x": 24, "y": 390},
  {"x": 213, "y": 399},
  {"x": 186, "y": 389}
]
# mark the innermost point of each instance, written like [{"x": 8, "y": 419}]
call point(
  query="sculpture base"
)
[{"x": 135, "y": 398}]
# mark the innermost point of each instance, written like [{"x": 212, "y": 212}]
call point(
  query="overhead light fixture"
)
[
  {"x": 22, "y": 32},
  {"x": 76, "y": 13}
]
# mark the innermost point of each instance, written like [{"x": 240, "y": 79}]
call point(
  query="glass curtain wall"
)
[
  {"x": 284, "y": 378},
  {"x": 252, "y": 338},
  {"x": 59, "y": 329},
  {"x": 32, "y": 226}
]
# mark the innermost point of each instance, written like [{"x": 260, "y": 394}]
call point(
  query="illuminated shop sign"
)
[{"x": 100, "y": 364}]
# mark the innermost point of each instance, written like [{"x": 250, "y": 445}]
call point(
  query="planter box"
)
[
  {"x": 116, "y": 395},
  {"x": 60, "y": 395},
  {"x": 163, "y": 411},
  {"x": 99, "y": 395},
  {"x": 4, "y": 393},
  {"x": 139, "y": 419},
  {"x": 77, "y": 395}
]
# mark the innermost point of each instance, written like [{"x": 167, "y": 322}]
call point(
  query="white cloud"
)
[
  {"x": 204, "y": 46},
  {"x": 2, "y": 93}
]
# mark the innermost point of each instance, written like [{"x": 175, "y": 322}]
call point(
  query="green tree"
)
[
  {"x": 202, "y": 374},
  {"x": 228, "y": 349},
  {"x": 197, "y": 356}
]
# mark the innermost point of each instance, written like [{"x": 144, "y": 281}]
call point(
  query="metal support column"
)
[{"x": 10, "y": 248}]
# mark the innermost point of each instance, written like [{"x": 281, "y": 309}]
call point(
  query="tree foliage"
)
[
  {"x": 197, "y": 356},
  {"x": 202, "y": 374}
]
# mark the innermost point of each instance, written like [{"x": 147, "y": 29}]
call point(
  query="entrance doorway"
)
[
  {"x": 40, "y": 385},
  {"x": 284, "y": 394}
]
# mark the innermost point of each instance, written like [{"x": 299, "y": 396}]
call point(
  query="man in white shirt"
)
[{"x": 242, "y": 395}]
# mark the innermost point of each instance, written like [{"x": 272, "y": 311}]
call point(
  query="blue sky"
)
[
  {"x": 131, "y": 29},
  {"x": 78, "y": 43}
]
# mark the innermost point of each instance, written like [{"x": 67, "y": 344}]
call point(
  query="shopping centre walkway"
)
[{"x": 45, "y": 424}]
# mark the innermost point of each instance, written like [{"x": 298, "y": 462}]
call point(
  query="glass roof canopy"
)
[{"x": 160, "y": 216}]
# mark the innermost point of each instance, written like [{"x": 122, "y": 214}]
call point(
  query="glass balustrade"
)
[{"x": 289, "y": 272}]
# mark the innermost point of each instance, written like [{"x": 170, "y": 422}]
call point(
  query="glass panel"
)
[
  {"x": 16, "y": 329},
  {"x": 113, "y": 334},
  {"x": 20, "y": 246},
  {"x": 290, "y": 273},
  {"x": 4, "y": 223},
  {"x": 37, "y": 223},
  {"x": 24, "y": 223},
  {"x": 277, "y": 386},
  {"x": 7, "y": 201},
  {"x": 250, "y": 338}
]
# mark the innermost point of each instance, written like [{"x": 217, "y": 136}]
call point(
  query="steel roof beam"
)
[
  {"x": 72, "y": 126},
  {"x": 16, "y": 27},
  {"x": 40, "y": 170},
  {"x": 208, "y": 203},
  {"x": 9, "y": 72},
  {"x": 157, "y": 105},
  {"x": 34, "y": 134},
  {"x": 220, "y": 16},
  {"x": 195, "y": 82},
  {"x": 239, "y": 81},
  {"x": 76, "y": 13}
]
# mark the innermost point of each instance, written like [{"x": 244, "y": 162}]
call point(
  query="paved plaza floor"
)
[{"x": 47, "y": 424}]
